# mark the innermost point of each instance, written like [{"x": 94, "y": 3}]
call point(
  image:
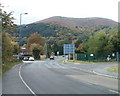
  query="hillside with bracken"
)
[{"x": 79, "y": 22}]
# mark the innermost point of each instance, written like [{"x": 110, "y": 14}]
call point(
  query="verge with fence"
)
[{"x": 99, "y": 57}]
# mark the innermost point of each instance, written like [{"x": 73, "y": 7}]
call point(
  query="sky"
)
[{"x": 42, "y": 9}]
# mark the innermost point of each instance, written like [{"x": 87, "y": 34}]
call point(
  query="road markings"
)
[
  {"x": 55, "y": 65},
  {"x": 114, "y": 91},
  {"x": 104, "y": 75},
  {"x": 48, "y": 66},
  {"x": 25, "y": 82},
  {"x": 60, "y": 66}
]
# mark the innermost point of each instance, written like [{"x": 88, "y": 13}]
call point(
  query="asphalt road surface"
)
[{"x": 51, "y": 77}]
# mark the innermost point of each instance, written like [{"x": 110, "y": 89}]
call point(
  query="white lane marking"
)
[
  {"x": 104, "y": 75},
  {"x": 59, "y": 66},
  {"x": 54, "y": 65},
  {"x": 46, "y": 65},
  {"x": 114, "y": 91},
  {"x": 25, "y": 82}
]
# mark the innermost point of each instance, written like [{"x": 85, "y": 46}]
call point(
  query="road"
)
[{"x": 51, "y": 77}]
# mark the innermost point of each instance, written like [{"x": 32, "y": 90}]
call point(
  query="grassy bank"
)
[
  {"x": 115, "y": 69},
  {"x": 9, "y": 65}
]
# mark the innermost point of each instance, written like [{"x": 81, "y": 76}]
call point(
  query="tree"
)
[
  {"x": 15, "y": 46},
  {"x": 78, "y": 42},
  {"x": 55, "y": 48},
  {"x": 35, "y": 45},
  {"x": 9, "y": 47},
  {"x": 48, "y": 50},
  {"x": 96, "y": 43},
  {"x": 7, "y": 22},
  {"x": 36, "y": 50}
]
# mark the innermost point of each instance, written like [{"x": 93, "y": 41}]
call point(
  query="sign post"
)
[{"x": 69, "y": 49}]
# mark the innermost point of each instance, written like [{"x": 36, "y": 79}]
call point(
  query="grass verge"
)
[
  {"x": 9, "y": 65},
  {"x": 0, "y": 72},
  {"x": 115, "y": 69},
  {"x": 84, "y": 62},
  {"x": 77, "y": 61},
  {"x": 62, "y": 61}
]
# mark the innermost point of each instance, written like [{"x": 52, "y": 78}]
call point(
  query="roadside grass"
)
[
  {"x": 62, "y": 61},
  {"x": 90, "y": 62},
  {"x": 115, "y": 69},
  {"x": 9, "y": 65},
  {"x": 84, "y": 62},
  {"x": 0, "y": 69},
  {"x": 77, "y": 61}
]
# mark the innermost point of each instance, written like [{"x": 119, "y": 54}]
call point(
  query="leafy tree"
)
[
  {"x": 48, "y": 49},
  {"x": 36, "y": 50},
  {"x": 96, "y": 43},
  {"x": 78, "y": 42},
  {"x": 15, "y": 46},
  {"x": 7, "y": 22},
  {"x": 55, "y": 48},
  {"x": 35, "y": 44},
  {"x": 9, "y": 47}
]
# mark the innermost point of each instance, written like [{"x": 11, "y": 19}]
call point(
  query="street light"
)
[
  {"x": 20, "y": 30},
  {"x": 21, "y": 26},
  {"x": 21, "y": 17}
]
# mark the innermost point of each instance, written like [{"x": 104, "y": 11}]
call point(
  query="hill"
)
[
  {"x": 79, "y": 22},
  {"x": 67, "y": 29},
  {"x": 53, "y": 32}
]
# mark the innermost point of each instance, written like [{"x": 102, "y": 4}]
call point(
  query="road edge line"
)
[
  {"x": 25, "y": 82},
  {"x": 114, "y": 91},
  {"x": 104, "y": 75}
]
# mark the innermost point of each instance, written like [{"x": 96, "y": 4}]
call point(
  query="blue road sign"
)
[{"x": 69, "y": 49}]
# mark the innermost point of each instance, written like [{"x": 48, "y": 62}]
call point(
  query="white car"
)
[{"x": 31, "y": 59}]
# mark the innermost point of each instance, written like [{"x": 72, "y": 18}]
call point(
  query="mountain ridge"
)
[{"x": 79, "y": 22}]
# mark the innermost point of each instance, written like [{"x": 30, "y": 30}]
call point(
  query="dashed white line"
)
[{"x": 25, "y": 82}]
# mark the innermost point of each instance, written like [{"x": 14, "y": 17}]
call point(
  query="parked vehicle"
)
[
  {"x": 25, "y": 58},
  {"x": 31, "y": 59}
]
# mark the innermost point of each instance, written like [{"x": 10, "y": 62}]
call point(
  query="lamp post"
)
[
  {"x": 20, "y": 32},
  {"x": 21, "y": 27}
]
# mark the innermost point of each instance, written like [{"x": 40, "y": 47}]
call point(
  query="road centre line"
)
[{"x": 25, "y": 82}]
